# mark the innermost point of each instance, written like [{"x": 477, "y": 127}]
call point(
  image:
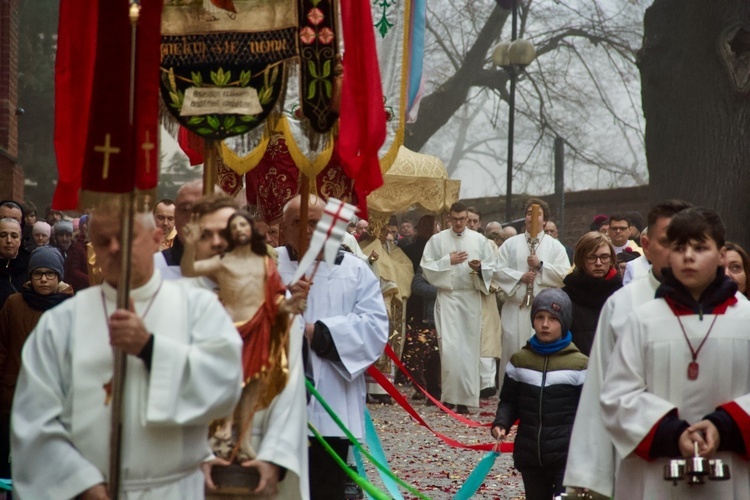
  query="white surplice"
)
[
  {"x": 458, "y": 309},
  {"x": 346, "y": 298},
  {"x": 647, "y": 378},
  {"x": 61, "y": 426},
  {"x": 511, "y": 266},
  {"x": 591, "y": 456}
]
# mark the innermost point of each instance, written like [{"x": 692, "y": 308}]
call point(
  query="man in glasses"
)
[
  {"x": 460, "y": 264},
  {"x": 619, "y": 234}
]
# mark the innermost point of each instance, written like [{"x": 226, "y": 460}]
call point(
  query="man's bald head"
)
[{"x": 292, "y": 211}]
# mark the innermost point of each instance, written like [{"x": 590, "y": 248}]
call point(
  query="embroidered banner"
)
[{"x": 222, "y": 62}]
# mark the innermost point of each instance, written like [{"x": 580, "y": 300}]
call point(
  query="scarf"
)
[
  {"x": 715, "y": 299},
  {"x": 44, "y": 302},
  {"x": 591, "y": 292},
  {"x": 548, "y": 348}
]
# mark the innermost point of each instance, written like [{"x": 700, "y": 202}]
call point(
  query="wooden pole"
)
[
  {"x": 120, "y": 357},
  {"x": 119, "y": 370},
  {"x": 304, "y": 192},
  {"x": 210, "y": 165}
]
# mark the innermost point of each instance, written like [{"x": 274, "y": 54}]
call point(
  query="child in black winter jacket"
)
[{"x": 541, "y": 389}]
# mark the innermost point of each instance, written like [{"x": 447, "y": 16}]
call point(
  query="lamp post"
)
[{"x": 513, "y": 57}]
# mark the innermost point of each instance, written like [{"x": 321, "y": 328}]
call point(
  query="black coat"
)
[{"x": 588, "y": 296}]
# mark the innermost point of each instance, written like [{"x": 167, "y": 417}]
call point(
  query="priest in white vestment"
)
[
  {"x": 518, "y": 270},
  {"x": 346, "y": 327},
  {"x": 459, "y": 263},
  {"x": 183, "y": 370}
]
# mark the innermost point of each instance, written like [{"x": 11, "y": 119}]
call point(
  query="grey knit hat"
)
[
  {"x": 63, "y": 226},
  {"x": 557, "y": 303},
  {"x": 48, "y": 257}
]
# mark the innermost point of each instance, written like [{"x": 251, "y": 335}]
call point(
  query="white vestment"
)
[
  {"x": 635, "y": 269},
  {"x": 647, "y": 378},
  {"x": 511, "y": 266},
  {"x": 346, "y": 298},
  {"x": 458, "y": 309},
  {"x": 591, "y": 456},
  {"x": 61, "y": 425}
]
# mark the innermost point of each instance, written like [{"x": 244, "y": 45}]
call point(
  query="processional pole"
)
[{"x": 123, "y": 286}]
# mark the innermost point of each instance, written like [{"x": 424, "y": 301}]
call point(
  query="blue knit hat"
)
[
  {"x": 49, "y": 257},
  {"x": 557, "y": 303}
]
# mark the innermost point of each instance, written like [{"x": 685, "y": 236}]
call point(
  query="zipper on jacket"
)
[{"x": 541, "y": 398}]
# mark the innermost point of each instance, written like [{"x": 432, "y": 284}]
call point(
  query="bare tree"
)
[{"x": 583, "y": 86}]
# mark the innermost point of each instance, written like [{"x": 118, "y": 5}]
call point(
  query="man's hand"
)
[
  {"x": 268, "y": 486},
  {"x": 528, "y": 277},
  {"x": 458, "y": 257},
  {"x": 191, "y": 232},
  {"x": 498, "y": 432},
  {"x": 705, "y": 434},
  {"x": 127, "y": 331},
  {"x": 207, "y": 466},
  {"x": 297, "y": 304},
  {"x": 96, "y": 492},
  {"x": 475, "y": 265},
  {"x": 533, "y": 262}
]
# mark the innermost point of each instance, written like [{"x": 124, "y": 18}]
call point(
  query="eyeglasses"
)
[
  {"x": 617, "y": 229},
  {"x": 37, "y": 275},
  {"x": 458, "y": 219},
  {"x": 605, "y": 258}
]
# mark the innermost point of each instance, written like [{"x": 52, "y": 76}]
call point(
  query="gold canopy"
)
[{"x": 414, "y": 180}]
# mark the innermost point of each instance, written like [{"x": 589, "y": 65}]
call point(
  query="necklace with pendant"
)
[{"x": 693, "y": 367}]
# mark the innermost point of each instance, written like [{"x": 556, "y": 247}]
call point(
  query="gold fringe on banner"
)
[{"x": 244, "y": 164}]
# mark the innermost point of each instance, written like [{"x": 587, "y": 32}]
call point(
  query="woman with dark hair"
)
[
  {"x": 737, "y": 266},
  {"x": 593, "y": 279},
  {"x": 18, "y": 317}
]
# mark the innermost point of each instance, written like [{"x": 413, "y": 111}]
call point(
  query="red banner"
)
[
  {"x": 362, "y": 117},
  {"x": 99, "y": 147}
]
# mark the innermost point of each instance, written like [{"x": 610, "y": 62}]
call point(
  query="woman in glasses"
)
[
  {"x": 18, "y": 318},
  {"x": 593, "y": 279}
]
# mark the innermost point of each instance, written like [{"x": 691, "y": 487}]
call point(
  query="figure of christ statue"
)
[{"x": 254, "y": 296}]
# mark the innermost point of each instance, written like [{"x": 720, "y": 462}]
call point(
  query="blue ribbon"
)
[{"x": 477, "y": 477}]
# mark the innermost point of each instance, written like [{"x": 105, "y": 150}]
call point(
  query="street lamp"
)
[{"x": 513, "y": 57}]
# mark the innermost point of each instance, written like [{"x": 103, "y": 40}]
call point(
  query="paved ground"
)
[{"x": 436, "y": 469}]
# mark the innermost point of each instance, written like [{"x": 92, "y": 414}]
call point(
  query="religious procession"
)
[{"x": 319, "y": 303}]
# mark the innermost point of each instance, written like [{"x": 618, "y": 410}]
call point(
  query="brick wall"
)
[
  {"x": 580, "y": 208},
  {"x": 11, "y": 174}
]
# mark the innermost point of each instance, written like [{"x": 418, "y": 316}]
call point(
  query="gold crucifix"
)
[
  {"x": 147, "y": 146},
  {"x": 107, "y": 149}
]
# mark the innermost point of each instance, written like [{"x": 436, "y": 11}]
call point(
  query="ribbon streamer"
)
[
  {"x": 471, "y": 423},
  {"x": 477, "y": 477}
]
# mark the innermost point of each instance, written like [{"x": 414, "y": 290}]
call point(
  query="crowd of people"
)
[{"x": 613, "y": 356}]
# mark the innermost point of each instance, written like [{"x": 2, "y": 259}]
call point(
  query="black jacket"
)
[
  {"x": 588, "y": 296},
  {"x": 542, "y": 392}
]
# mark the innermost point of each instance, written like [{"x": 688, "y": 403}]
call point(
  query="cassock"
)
[
  {"x": 458, "y": 309},
  {"x": 512, "y": 265},
  {"x": 647, "y": 378},
  {"x": 591, "y": 456},
  {"x": 346, "y": 298},
  {"x": 61, "y": 424}
]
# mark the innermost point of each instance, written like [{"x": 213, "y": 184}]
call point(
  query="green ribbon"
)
[{"x": 359, "y": 448}]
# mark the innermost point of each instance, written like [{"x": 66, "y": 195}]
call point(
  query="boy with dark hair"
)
[
  {"x": 541, "y": 389},
  {"x": 678, "y": 378}
]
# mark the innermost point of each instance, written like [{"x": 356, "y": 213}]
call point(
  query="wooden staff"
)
[
  {"x": 533, "y": 242},
  {"x": 210, "y": 165},
  {"x": 303, "y": 215},
  {"x": 123, "y": 286}
]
